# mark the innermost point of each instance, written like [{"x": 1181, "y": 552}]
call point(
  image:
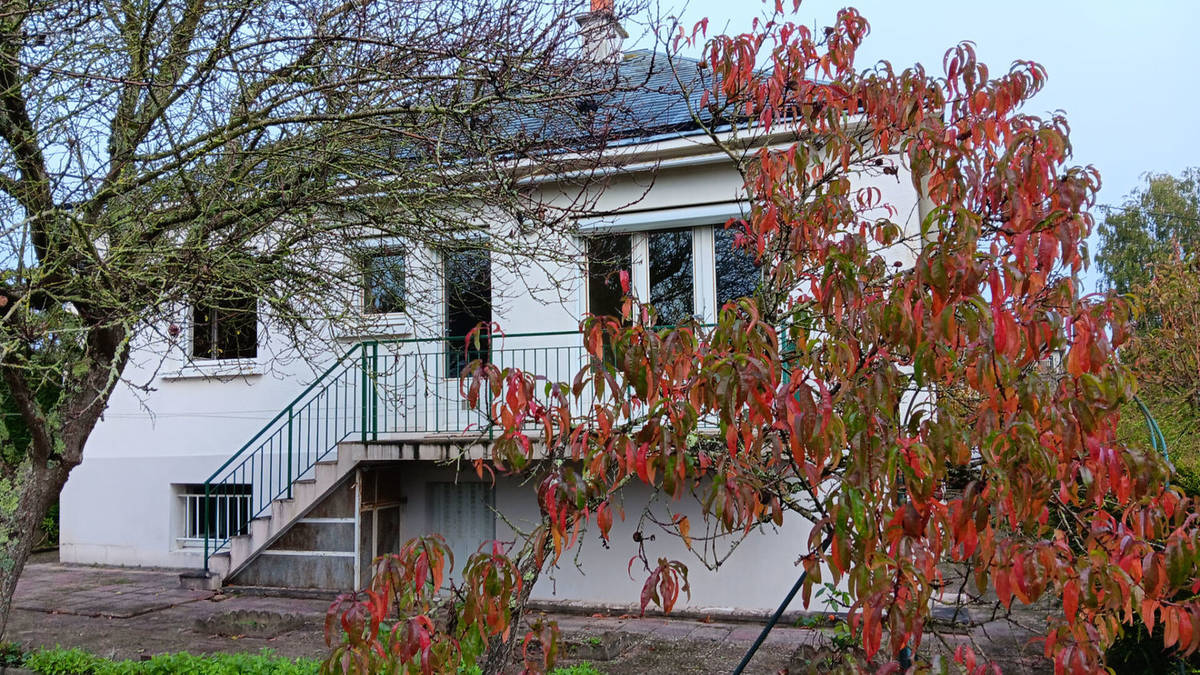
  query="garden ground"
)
[{"x": 126, "y": 613}]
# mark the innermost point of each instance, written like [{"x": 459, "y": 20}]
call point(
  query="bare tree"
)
[{"x": 160, "y": 152}]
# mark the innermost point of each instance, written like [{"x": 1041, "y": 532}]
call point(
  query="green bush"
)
[
  {"x": 78, "y": 662},
  {"x": 584, "y": 668}
]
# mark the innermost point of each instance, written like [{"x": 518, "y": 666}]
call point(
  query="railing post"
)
[
  {"x": 365, "y": 377},
  {"x": 374, "y": 391},
  {"x": 205, "y": 516},
  {"x": 291, "y": 416}
]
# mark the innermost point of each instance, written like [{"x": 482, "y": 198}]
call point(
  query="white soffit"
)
[{"x": 663, "y": 219}]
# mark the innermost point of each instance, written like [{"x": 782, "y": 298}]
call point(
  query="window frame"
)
[
  {"x": 456, "y": 342},
  {"x": 228, "y": 510},
  {"x": 383, "y": 250},
  {"x": 588, "y": 272},
  {"x": 716, "y": 294},
  {"x": 214, "y": 337},
  {"x": 702, "y": 220}
]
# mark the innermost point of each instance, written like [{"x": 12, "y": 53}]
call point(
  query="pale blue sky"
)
[{"x": 1125, "y": 73}]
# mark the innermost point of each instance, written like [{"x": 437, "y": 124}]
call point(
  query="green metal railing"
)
[{"x": 401, "y": 386}]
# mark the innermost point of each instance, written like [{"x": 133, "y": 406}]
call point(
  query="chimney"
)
[{"x": 601, "y": 33}]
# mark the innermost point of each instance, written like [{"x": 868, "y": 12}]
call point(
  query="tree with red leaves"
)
[{"x": 932, "y": 399}]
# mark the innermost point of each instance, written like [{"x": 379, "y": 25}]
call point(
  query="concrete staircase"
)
[
  {"x": 307, "y": 540},
  {"x": 284, "y": 514}
]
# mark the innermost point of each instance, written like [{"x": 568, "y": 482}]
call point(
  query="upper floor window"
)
[
  {"x": 383, "y": 281},
  {"x": 225, "y": 328},
  {"x": 468, "y": 286},
  {"x": 686, "y": 273}
]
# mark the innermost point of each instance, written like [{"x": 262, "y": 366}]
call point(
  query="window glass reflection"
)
[
  {"x": 738, "y": 274},
  {"x": 671, "y": 275}
]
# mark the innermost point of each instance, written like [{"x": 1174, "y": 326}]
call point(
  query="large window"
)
[
  {"x": 608, "y": 256},
  {"x": 685, "y": 273},
  {"x": 468, "y": 275},
  {"x": 671, "y": 278},
  {"x": 737, "y": 272},
  {"x": 225, "y": 329},
  {"x": 383, "y": 281}
]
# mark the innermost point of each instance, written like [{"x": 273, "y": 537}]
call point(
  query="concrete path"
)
[{"x": 130, "y": 612}]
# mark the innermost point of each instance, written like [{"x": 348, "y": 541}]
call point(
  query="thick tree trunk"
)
[
  {"x": 24, "y": 500},
  {"x": 56, "y": 445}
]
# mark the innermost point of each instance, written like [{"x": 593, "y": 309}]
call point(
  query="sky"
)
[{"x": 1125, "y": 73}]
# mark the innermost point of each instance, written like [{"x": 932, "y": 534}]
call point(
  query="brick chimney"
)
[{"x": 601, "y": 33}]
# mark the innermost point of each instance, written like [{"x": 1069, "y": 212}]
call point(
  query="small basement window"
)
[{"x": 223, "y": 513}]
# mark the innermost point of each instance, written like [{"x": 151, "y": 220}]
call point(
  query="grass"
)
[
  {"x": 59, "y": 661},
  {"x": 78, "y": 662},
  {"x": 1180, "y": 424},
  {"x": 584, "y": 668}
]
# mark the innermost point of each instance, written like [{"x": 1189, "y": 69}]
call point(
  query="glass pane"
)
[
  {"x": 237, "y": 329},
  {"x": 383, "y": 277},
  {"x": 202, "y": 338},
  {"x": 671, "y": 275},
  {"x": 227, "y": 329},
  {"x": 366, "y": 545},
  {"x": 607, "y": 257},
  {"x": 737, "y": 273},
  {"x": 468, "y": 304},
  {"x": 389, "y": 530}
]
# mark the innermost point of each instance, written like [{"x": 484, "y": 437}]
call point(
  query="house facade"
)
[{"x": 272, "y": 465}]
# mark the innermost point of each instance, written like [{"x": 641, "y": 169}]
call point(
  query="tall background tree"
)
[
  {"x": 1144, "y": 231},
  {"x": 158, "y": 153},
  {"x": 1148, "y": 250}
]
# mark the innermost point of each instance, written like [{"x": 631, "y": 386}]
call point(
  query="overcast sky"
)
[{"x": 1125, "y": 73}]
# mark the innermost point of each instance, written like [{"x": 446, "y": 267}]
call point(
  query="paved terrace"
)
[{"x": 129, "y": 612}]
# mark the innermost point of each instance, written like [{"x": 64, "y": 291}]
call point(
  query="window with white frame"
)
[
  {"x": 384, "y": 280},
  {"x": 608, "y": 256},
  {"x": 221, "y": 513},
  {"x": 683, "y": 272},
  {"x": 737, "y": 272},
  {"x": 225, "y": 328},
  {"x": 672, "y": 275}
]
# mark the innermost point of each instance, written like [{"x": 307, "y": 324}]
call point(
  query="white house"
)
[{"x": 300, "y": 471}]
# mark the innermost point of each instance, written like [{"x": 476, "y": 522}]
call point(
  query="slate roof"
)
[
  {"x": 650, "y": 97},
  {"x": 658, "y": 103}
]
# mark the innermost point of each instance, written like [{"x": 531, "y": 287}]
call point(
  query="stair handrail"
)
[{"x": 246, "y": 447}]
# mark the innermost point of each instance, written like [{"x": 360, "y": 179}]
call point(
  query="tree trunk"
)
[
  {"x": 499, "y": 652},
  {"x": 24, "y": 501}
]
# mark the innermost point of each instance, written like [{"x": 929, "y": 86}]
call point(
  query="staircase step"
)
[{"x": 283, "y": 512}]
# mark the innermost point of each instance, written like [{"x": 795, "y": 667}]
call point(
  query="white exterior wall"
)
[{"x": 119, "y": 506}]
